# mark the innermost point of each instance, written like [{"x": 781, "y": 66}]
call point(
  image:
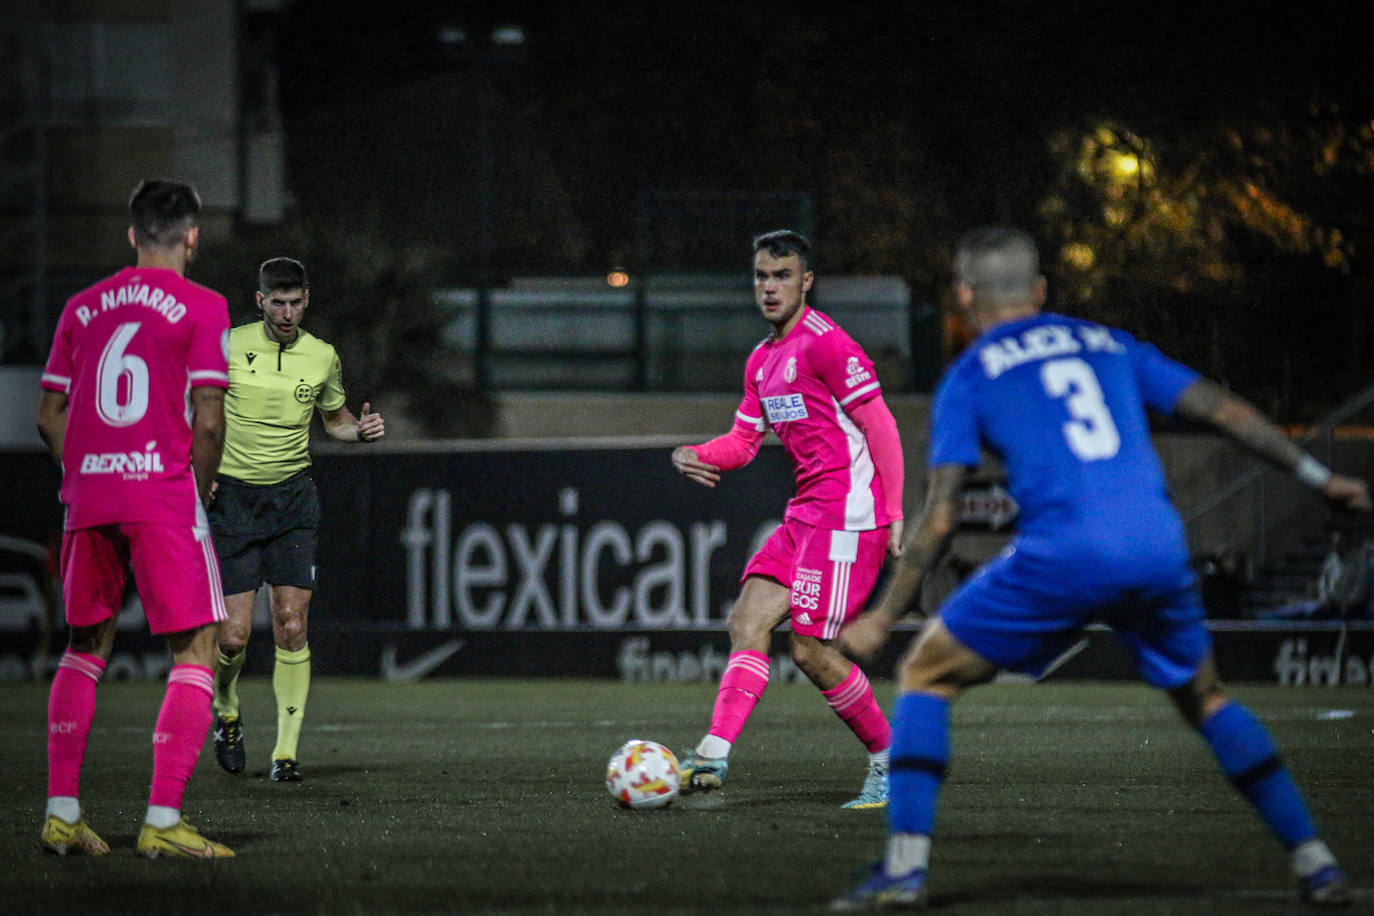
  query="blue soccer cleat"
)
[
  {"x": 701, "y": 774},
  {"x": 874, "y": 792},
  {"x": 1326, "y": 886},
  {"x": 883, "y": 892}
]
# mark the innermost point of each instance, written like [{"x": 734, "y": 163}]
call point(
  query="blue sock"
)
[
  {"x": 920, "y": 755},
  {"x": 1250, "y": 760}
]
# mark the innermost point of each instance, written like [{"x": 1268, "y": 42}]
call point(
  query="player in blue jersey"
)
[{"x": 1063, "y": 403}]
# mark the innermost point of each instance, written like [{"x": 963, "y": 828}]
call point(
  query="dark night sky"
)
[
  {"x": 1069, "y": 48},
  {"x": 906, "y": 123},
  {"x": 634, "y": 96},
  {"x": 1166, "y": 58}
]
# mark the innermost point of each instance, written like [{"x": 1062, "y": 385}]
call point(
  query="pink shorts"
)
[
  {"x": 830, "y": 573},
  {"x": 174, "y": 566}
]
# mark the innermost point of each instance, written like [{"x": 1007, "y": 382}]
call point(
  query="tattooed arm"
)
[
  {"x": 924, "y": 547},
  {"x": 1208, "y": 402}
]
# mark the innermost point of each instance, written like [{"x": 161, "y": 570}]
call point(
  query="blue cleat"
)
[
  {"x": 874, "y": 792},
  {"x": 701, "y": 774},
  {"x": 1326, "y": 886},
  {"x": 882, "y": 892}
]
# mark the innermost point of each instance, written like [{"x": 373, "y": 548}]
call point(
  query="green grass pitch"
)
[{"x": 487, "y": 796}]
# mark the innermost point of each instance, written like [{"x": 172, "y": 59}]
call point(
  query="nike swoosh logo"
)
[
  {"x": 418, "y": 667},
  {"x": 204, "y": 852}
]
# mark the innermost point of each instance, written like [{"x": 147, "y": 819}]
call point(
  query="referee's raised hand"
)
[{"x": 371, "y": 426}]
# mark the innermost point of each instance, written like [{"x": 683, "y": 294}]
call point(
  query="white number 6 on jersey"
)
[
  {"x": 118, "y": 367},
  {"x": 1091, "y": 434}
]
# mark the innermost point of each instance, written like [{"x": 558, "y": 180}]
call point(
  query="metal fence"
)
[
  {"x": 677, "y": 333},
  {"x": 1263, "y": 512}
]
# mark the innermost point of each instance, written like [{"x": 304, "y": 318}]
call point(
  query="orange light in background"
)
[
  {"x": 1079, "y": 255},
  {"x": 617, "y": 278},
  {"x": 1125, "y": 165}
]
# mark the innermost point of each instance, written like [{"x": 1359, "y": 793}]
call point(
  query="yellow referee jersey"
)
[{"x": 273, "y": 390}]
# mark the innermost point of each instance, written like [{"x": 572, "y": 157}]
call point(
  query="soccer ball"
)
[{"x": 642, "y": 775}]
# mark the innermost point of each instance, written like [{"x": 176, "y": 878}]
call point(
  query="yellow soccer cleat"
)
[
  {"x": 71, "y": 839},
  {"x": 180, "y": 840}
]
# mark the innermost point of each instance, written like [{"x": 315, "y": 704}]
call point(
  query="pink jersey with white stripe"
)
[
  {"x": 801, "y": 386},
  {"x": 126, "y": 353}
]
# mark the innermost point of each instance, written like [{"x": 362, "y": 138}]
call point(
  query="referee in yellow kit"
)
[{"x": 265, "y": 511}]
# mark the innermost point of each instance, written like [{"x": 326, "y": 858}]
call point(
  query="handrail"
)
[{"x": 1324, "y": 427}]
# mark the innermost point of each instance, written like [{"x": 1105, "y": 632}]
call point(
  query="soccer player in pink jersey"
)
[
  {"x": 818, "y": 391},
  {"x": 133, "y": 411}
]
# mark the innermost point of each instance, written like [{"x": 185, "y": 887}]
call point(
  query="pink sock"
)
[
  {"x": 853, "y": 702},
  {"x": 71, "y": 707},
  {"x": 180, "y": 732},
  {"x": 743, "y": 683}
]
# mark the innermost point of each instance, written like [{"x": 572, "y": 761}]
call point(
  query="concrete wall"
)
[
  {"x": 1196, "y": 464},
  {"x": 19, "y": 406}
]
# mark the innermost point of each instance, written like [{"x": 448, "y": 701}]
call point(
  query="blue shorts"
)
[{"x": 1021, "y": 611}]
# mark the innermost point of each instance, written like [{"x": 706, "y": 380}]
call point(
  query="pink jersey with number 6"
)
[{"x": 126, "y": 353}]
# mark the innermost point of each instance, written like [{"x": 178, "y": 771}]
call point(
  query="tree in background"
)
[
  {"x": 1236, "y": 240},
  {"x": 373, "y": 299}
]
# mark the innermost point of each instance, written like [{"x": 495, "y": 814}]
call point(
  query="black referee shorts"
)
[{"x": 265, "y": 533}]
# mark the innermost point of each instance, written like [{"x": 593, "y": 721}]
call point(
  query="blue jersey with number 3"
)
[{"x": 1063, "y": 403}]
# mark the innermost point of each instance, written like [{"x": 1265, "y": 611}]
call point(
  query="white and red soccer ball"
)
[{"x": 643, "y": 775}]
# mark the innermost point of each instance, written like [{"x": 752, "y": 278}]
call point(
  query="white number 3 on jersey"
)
[{"x": 1091, "y": 433}]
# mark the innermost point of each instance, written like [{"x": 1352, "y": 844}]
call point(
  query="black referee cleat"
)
[
  {"x": 284, "y": 769},
  {"x": 229, "y": 743}
]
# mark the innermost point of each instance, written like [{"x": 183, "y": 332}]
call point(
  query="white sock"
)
[
  {"x": 65, "y": 807},
  {"x": 1311, "y": 857},
  {"x": 713, "y": 746},
  {"x": 906, "y": 852},
  {"x": 162, "y": 817},
  {"x": 881, "y": 758}
]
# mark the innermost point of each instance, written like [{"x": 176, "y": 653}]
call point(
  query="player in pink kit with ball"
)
[
  {"x": 133, "y": 410},
  {"x": 818, "y": 391}
]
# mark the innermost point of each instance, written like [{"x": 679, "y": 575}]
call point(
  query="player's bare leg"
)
[
  {"x": 232, "y": 639},
  {"x": 934, "y": 671},
  {"x": 290, "y": 676},
  {"x": 1250, "y": 759},
  {"x": 762, "y": 605}
]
